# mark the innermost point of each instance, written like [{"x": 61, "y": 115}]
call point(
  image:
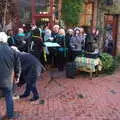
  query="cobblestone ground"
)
[{"x": 76, "y": 99}]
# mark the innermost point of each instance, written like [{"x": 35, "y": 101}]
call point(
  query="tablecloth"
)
[{"x": 88, "y": 64}]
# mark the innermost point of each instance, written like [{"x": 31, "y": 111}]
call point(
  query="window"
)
[
  {"x": 42, "y": 6},
  {"x": 86, "y": 17}
]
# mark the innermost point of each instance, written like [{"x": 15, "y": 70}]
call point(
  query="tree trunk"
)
[
  {"x": 59, "y": 8},
  {"x": 100, "y": 24},
  {"x": 5, "y": 14}
]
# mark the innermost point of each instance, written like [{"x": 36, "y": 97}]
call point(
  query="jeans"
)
[
  {"x": 31, "y": 87},
  {"x": 9, "y": 101}
]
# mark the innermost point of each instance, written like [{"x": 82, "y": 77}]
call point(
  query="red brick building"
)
[{"x": 38, "y": 11}]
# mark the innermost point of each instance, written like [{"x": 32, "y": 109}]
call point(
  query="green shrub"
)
[
  {"x": 117, "y": 61},
  {"x": 71, "y": 10},
  {"x": 109, "y": 64},
  {"x": 117, "y": 58},
  {"x": 112, "y": 68}
]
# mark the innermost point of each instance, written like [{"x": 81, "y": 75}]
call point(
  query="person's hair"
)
[
  {"x": 56, "y": 26},
  {"x": 3, "y": 37},
  {"x": 36, "y": 32},
  {"x": 77, "y": 28},
  {"x": 20, "y": 30},
  {"x": 28, "y": 27},
  {"x": 9, "y": 32},
  {"x": 82, "y": 30},
  {"x": 70, "y": 30}
]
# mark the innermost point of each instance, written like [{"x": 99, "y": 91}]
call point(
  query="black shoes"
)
[
  {"x": 23, "y": 96},
  {"x": 34, "y": 98}
]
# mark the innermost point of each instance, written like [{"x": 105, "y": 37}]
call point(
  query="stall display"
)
[{"x": 90, "y": 65}]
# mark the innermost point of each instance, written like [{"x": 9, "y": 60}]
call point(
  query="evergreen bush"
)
[
  {"x": 108, "y": 63},
  {"x": 71, "y": 10}
]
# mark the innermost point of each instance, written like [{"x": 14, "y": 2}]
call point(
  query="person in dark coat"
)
[
  {"x": 9, "y": 69},
  {"x": 108, "y": 43},
  {"x": 20, "y": 39},
  {"x": 77, "y": 42},
  {"x": 89, "y": 40},
  {"x": 55, "y": 31},
  {"x": 61, "y": 51},
  {"x": 31, "y": 69},
  {"x": 68, "y": 37},
  {"x": 11, "y": 38},
  {"x": 37, "y": 46}
]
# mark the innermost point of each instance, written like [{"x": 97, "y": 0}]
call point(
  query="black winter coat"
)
[
  {"x": 11, "y": 41},
  {"x": 31, "y": 67},
  {"x": 37, "y": 47}
]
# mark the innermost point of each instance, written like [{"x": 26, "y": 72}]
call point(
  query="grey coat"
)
[
  {"x": 9, "y": 66},
  {"x": 77, "y": 43}
]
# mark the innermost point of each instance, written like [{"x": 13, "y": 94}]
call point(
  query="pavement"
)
[{"x": 72, "y": 99}]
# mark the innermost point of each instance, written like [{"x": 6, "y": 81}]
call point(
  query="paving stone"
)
[{"x": 78, "y": 99}]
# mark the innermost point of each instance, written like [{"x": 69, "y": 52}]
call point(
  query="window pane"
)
[
  {"x": 86, "y": 20},
  {"x": 42, "y": 5},
  {"x": 86, "y": 17},
  {"x": 89, "y": 8}
]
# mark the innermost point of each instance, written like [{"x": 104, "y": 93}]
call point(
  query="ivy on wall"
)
[{"x": 71, "y": 10}]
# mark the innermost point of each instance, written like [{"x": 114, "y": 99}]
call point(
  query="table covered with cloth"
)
[{"x": 88, "y": 64}]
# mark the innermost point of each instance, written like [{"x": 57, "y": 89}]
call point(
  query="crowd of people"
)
[
  {"x": 24, "y": 55},
  {"x": 72, "y": 42}
]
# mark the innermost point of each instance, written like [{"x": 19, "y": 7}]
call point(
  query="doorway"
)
[{"x": 111, "y": 25}]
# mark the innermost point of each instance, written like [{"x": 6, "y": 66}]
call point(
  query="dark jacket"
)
[
  {"x": 11, "y": 41},
  {"x": 31, "y": 67},
  {"x": 67, "y": 38},
  {"x": 21, "y": 42},
  {"x": 89, "y": 42},
  {"x": 60, "y": 39},
  {"x": 54, "y": 35},
  {"x": 9, "y": 64},
  {"x": 37, "y": 47}
]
